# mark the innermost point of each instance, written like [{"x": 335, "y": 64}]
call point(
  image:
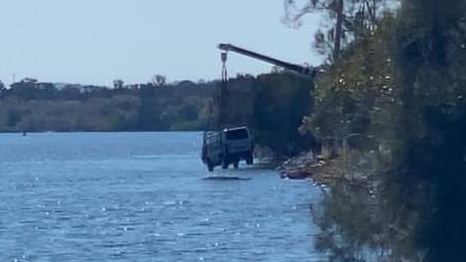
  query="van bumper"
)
[{"x": 237, "y": 156}]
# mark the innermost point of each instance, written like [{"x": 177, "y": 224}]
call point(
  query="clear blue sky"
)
[{"x": 96, "y": 41}]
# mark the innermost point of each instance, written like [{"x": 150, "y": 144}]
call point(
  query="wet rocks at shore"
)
[{"x": 300, "y": 167}]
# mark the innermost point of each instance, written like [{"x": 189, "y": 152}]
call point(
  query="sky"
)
[{"x": 97, "y": 41}]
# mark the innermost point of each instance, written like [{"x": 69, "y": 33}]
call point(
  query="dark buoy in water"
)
[
  {"x": 25, "y": 133},
  {"x": 226, "y": 178}
]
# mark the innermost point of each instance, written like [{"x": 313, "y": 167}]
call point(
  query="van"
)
[{"x": 229, "y": 146}]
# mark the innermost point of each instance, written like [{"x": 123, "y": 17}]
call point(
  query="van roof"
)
[{"x": 235, "y": 128}]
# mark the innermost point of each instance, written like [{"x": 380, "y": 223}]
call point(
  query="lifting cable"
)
[
  {"x": 223, "y": 91},
  {"x": 219, "y": 103}
]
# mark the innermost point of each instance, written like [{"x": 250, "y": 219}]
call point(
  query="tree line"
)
[
  {"x": 30, "y": 105},
  {"x": 272, "y": 105}
]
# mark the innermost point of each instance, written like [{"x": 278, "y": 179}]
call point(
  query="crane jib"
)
[{"x": 303, "y": 70}]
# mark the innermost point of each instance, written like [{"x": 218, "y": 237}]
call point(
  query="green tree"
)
[
  {"x": 2, "y": 90},
  {"x": 280, "y": 102},
  {"x": 343, "y": 20},
  {"x": 403, "y": 197},
  {"x": 118, "y": 84},
  {"x": 159, "y": 80}
]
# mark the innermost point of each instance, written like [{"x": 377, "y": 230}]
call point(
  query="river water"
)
[{"x": 143, "y": 197}]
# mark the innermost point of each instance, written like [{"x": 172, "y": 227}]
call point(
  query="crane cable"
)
[
  {"x": 222, "y": 106},
  {"x": 219, "y": 102},
  {"x": 223, "y": 91}
]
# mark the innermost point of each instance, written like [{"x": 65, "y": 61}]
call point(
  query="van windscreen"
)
[{"x": 237, "y": 134}]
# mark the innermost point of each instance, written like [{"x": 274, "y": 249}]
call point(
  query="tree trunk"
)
[{"x": 338, "y": 30}]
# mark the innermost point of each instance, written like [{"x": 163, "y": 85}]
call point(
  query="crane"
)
[
  {"x": 303, "y": 70},
  {"x": 216, "y": 144},
  {"x": 300, "y": 69}
]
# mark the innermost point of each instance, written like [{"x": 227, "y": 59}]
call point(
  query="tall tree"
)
[
  {"x": 2, "y": 89},
  {"x": 413, "y": 75},
  {"x": 343, "y": 20},
  {"x": 431, "y": 65},
  {"x": 118, "y": 84},
  {"x": 159, "y": 80}
]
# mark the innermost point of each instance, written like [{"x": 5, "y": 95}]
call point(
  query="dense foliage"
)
[
  {"x": 394, "y": 103},
  {"x": 273, "y": 105}
]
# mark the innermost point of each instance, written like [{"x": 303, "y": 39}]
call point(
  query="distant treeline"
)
[
  {"x": 30, "y": 105},
  {"x": 272, "y": 104}
]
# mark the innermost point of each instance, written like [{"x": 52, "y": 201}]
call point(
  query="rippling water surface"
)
[{"x": 143, "y": 197}]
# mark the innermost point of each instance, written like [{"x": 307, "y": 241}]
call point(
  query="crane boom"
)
[{"x": 300, "y": 69}]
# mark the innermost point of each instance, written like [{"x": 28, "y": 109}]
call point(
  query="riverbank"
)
[{"x": 350, "y": 215}]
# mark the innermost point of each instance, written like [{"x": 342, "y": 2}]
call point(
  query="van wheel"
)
[
  {"x": 236, "y": 164},
  {"x": 249, "y": 159},
  {"x": 210, "y": 166},
  {"x": 224, "y": 164}
]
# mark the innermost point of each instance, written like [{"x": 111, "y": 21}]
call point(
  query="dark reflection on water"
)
[
  {"x": 143, "y": 197},
  {"x": 226, "y": 178}
]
